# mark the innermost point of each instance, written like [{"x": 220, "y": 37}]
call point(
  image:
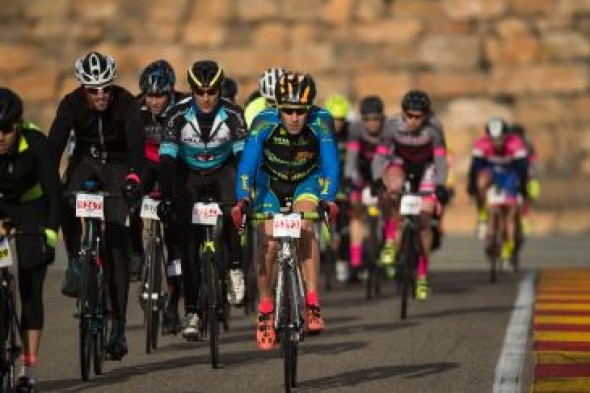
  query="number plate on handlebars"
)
[
  {"x": 410, "y": 205},
  {"x": 496, "y": 197},
  {"x": 5, "y": 255},
  {"x": 286, "y": 225},
  {"x": 206, "y": 213},
  {"x": 90, "y": 205},
  {"x": 149, "y": 208}
]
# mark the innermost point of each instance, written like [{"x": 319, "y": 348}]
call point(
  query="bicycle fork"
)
[{"x": 287, "y": 266}]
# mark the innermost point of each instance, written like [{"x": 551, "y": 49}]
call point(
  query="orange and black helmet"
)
[{"x": 295, "y": 89}]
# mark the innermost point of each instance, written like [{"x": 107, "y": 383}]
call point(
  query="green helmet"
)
[{"x": 337, "y": 105}]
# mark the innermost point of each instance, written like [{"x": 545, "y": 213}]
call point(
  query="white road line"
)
[{"x": 510, "y": 366}]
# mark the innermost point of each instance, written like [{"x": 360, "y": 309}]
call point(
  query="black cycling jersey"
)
[
  {"x": 114, "y": 134},
  {"x": 290, "y": 157},
  {"x": 29, "y": 173}
]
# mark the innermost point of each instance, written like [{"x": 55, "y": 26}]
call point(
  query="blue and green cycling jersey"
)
[
  {"x": 290, "y": 158},
  {"x": 204, "y": 141}
]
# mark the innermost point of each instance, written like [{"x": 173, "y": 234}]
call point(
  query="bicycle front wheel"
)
[
  {"x": 408, "y": 262},
  {"x": 85, "y": 310},
  {"x": 212, "y": 315},
  {"x": 148, "y": 289},
  {"x": 100, "y": 330}
]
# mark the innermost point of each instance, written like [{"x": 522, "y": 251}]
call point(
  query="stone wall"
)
[{"x": 522, "y": 59}]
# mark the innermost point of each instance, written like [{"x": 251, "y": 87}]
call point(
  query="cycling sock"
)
[
  {"x": 29, "y": 367},
  {"x": 312, "y": 299},
  {"x": 482, "y": 214},
  {"x": 356, "y": 254},
  {"x": 390, "y": 229},
  {"x": 507, "y": 249},
  {"x": 422, "y": 266},
  {"x": 266, "y": 305}
]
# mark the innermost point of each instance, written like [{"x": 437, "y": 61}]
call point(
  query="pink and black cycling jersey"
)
[
  {"x": 153, "y": 126},
  {"x": 361, "y": 147},
  {"x": 399, "y": 146},
  {"x": 514, "y": 149}
]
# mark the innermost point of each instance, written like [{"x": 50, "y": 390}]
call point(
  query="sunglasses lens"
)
[
  {"x": 371, "y": 118},
  {"x": 290, "y": 111},
  {"x": 202, "y": 92},
  {"x": 95, "y": 90}
]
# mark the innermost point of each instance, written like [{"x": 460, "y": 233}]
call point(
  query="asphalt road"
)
[{"x": 450, "y": 343}]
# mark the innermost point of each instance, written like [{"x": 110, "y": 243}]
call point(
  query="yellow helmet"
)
[{"x": 337, "y": 105}]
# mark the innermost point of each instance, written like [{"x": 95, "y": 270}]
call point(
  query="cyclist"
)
[
  {"x": 229, "y": 90},
  {"x": 363, "y": 139},
  {"x": 201, "y": 136},
  {"x": 289, "y": 149},
  {"x": 533, "y": 185},
  {"x": 499, "y": 158},
  {"x": 29, "y": 198},
  {"x": 339, "y": 106},
  {"x": 109, "y": 148},
  {"x": 266, "y": 87},
  {"x": 157, "y": 100},
  {"x": 413, "y": 148}
]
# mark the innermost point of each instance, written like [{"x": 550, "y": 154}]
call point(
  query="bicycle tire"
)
[
  {"x": 85, "y": 334},
  {"x": 158, "y": 286},
  {"x": 100, "y": 321},
  {"x": 212, "y": 315},
  {"x": 371, "y": 248},
  {"x": 149, "y": 303},
  {"x": 408, "y": 258},
  {"x": 100, "y": 336},
  {"x": 494, "y": 256}
]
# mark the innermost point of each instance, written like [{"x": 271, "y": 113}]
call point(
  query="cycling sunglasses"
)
[
  {"x": 8, "y": 130},
  {"x": 417, "y": 116},
  {"x": 210, "y": 92},
  {"x": 95, "y": 90},
  {"x": 290, "y": 111},
  {"x": 372, "y": 117}
]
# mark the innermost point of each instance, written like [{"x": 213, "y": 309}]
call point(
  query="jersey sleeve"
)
[
  {"x": 329, "y": 163},
  {"x": 60, "y": 129},
  {"x": 134, "y": 134},
  {"x": 251, "y": 158},
  {"x": 383, "y": 151},
  {"x": 353, "y": 146},
  {"x": 439, "y": 147},
  {"x": 48, "y": 177}
]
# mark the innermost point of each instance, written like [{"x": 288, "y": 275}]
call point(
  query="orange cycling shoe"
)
[
  {"x": 265, "y": 331},
  {"x": 314, "y": 320}
]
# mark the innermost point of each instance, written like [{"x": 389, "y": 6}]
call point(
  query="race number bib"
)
[
  {"x": 206, "y": 213},
  {"x": 287, "y": 225},
  {"x": 410, "y": 205},
  {"x": 496, "y": 197},
  {"x": 90, "y": 205},
  {"x": 149, "y": 209},
  {"x": 5, "y": 255}
]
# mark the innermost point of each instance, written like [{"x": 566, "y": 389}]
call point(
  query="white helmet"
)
[
  {"x": 95, "y": 69},
  {"x": 267, "y": 82}
]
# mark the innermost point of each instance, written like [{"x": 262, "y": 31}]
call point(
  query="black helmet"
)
[
  {"x": 95, "y": 69},
  {"x": 205, "y": 74},
  {"x": 295, "y": 89},
  {"x": 157, "y": 78},
  {"x": 372, "y": 104},
  {"x": 416, "y": 100},
  {"x": 229, "y": 89},
  {"x": 496, "y": 127},
  {"x": 11, "y": 108}
]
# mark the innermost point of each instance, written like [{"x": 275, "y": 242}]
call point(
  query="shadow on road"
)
[
  {"x": 361, "y": 376},
  {"x": 230, "y": 359}
]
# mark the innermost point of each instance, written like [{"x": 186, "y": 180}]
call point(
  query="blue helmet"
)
[{"x": 157, "y": 78}]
